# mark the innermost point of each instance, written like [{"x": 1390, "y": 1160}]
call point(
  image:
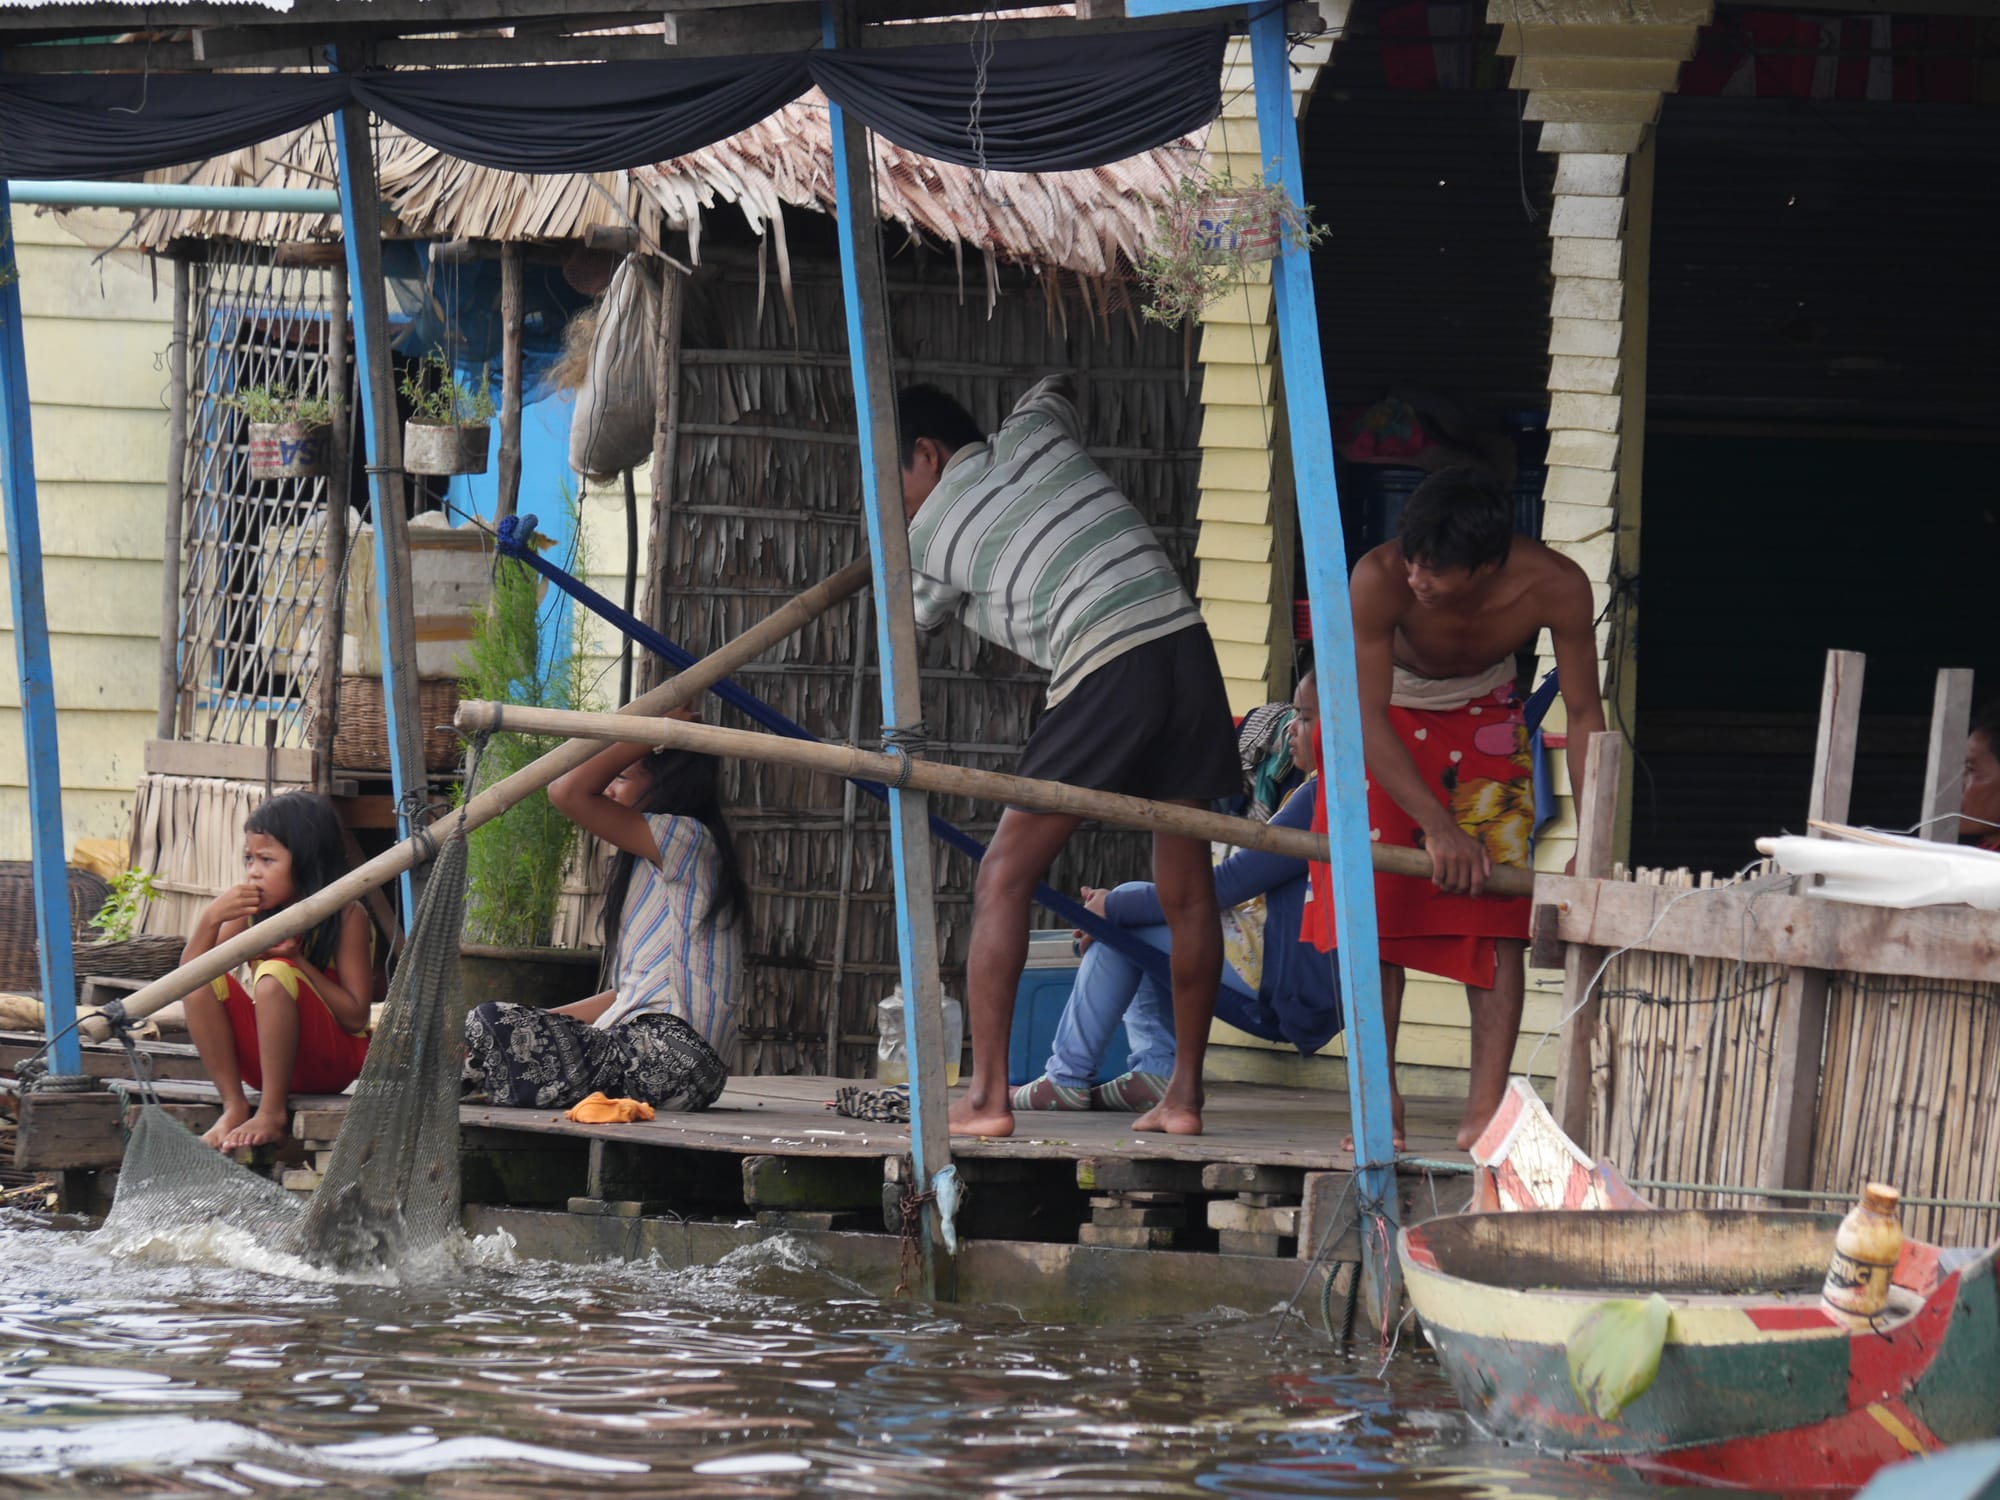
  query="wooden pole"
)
[
  {"x": 1795, "y": 1068},
  {"x": 512, "y": 294},
  {"x": 170, "y": 557},
  {"x": 488, "y": 804},
  {"x": 864, "y": 288},
  {"x": 666, "y": 456},
  {"x": 333, "y": 536},
  {"x": 35, "y": 671},
  {"x": 1596, "y": 833},
  {"x": 1370, "y": 1066},
  {"x": 1944, "y": 766},
  {"x": 631, "y": 585},
  {"x": 1140, "y": 813},
  {"x": 361, "y": 230}
]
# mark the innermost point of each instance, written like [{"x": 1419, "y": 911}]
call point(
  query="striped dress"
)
[
  {"x": 1033, "y": 546},
  {"x": 670, "y": 961}
]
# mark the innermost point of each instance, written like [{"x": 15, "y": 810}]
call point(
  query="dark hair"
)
[
  {"x": 1457, "y": 518},
  {"x": 306, "y": 824},
  {"x": 1986, "y": 721},
  {"x": 684, "y": 784},
  {"x": 924, "y": 411}
]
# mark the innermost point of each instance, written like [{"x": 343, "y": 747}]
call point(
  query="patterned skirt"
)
[{"x": 536, "y": 1059}]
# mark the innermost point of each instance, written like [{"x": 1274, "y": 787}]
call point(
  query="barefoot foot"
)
[
  {"x": 979, "y": 1118},
  {"x": 1396, "y": 1137},
  {"x": 234, "y": 1117},
  {"x": 259, "y": 1130},
  {"x": 1172, "y": 1119}
]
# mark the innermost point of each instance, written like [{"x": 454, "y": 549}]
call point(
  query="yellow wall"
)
[{"x": 97, "y": 338}]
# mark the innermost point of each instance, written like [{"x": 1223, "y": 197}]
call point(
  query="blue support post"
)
[
  {"x": 861, "y": 279},
  {"x": 361, "y": 233},
  {"x": 33, "y": 667},
  {"x": 1345, "y": 773}
]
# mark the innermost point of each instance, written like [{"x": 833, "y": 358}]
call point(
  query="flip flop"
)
[
  {"x": 1046, "y": 1094},
  {"x": 1130, "y": 1093}
]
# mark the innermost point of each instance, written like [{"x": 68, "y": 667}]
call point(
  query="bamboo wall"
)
[
  {"x": 1683, "y": 1066},
  {"x": 765, "y": 499}
]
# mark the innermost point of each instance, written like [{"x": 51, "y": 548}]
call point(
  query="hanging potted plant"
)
[
  {"x": 1209, "y": 232},
  {"x": 448, "y": 431},
  {"x": 290, "y": 436}
]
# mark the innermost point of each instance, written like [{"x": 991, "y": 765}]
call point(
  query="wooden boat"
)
[{"x": 1759, "y": 1385}]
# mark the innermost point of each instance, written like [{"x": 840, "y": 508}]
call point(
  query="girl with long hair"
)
[
  {"x": 675, "y": 913},
  {"x": 301, "y": 1026}
]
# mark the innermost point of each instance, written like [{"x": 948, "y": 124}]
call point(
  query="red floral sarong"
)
[{"x": 1476, "y": 759}]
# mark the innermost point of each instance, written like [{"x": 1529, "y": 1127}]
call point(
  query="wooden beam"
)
[
  {"x": 333, "y": 536},
  {"x": 227, "y": 762},
  {"x": 1596, "y": 836},
  {"x": 512, "y": 273},
  {"x": 667, "y": 356},
  {"x": 1768, "y": 927},
  {"x": 1944, "y": 761},
  {"x": 170, "y": 555}
]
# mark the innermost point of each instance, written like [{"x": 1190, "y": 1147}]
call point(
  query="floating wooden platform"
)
[{"x": 1076, "y": 1215}]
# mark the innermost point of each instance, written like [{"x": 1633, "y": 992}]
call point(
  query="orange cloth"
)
[{"x": 601, "y": 1109}]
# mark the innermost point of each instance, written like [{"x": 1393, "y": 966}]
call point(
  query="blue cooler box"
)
[{"x": 1038, "y": 1006}]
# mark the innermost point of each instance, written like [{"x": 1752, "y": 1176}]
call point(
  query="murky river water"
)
[{"x": 765, "y": 1376}]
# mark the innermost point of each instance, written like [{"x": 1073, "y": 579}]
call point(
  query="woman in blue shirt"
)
[{"x": 1295, "y": 998}]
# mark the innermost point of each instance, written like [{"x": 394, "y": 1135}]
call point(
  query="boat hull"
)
[{"x": 1757, "y": 1384}]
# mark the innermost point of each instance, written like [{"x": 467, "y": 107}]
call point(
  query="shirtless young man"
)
[{"x": 1438, "y": 616}]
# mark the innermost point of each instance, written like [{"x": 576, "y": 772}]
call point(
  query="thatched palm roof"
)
[{"x": 1084, "y": 222}]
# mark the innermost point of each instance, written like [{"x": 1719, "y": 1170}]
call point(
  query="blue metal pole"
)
[
  {"x": 360, "y": 232},
  {"x": 1344, "y": 769},
  {"x": 32, "y": 664},
  {"x": 173, "y": 195},
  {"x": 896, "y": 650}
]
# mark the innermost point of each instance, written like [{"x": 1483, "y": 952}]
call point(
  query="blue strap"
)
[{"x": 514, "y": 535}]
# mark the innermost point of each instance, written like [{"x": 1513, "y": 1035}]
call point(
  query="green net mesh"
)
[{"x": 389, "y": 1198}]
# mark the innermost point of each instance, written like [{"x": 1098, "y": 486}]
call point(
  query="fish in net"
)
[{"x": 389, "y": 1198}]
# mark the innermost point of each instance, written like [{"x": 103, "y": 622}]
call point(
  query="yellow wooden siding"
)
[
  {"x": 96, "y": 338},
  {"x": 1246, "y": 546}
]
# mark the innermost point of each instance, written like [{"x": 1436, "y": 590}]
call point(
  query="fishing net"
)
[{"x": 389, "y": 1198}]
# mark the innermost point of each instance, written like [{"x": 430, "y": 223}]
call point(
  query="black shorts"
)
[{"x": 1153, "y": 722}]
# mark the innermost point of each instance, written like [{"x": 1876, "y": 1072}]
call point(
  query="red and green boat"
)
[{"x": 1758, "y": 1385}]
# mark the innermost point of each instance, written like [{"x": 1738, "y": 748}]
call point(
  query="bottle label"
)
[{"x": 1857, "y": 1285}]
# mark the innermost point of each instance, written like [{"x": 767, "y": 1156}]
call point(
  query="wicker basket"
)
[
  {"x": 361, "y": 739},
  {"x": 150, "y": 957},
  {"x": 20, "y": 964}
]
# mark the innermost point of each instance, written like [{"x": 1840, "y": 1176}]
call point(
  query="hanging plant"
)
[
  {"x": 447, "y": 432},
  {"x": 291, "y": 436},
  {"x": 1209, "y": 232}
]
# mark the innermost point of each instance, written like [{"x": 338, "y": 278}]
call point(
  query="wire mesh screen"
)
[{"x": 249, "y": 646}]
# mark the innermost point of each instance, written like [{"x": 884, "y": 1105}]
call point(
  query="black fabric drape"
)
[
  {"x": 1050, "y": 104},
  {"x": 584, "y": 117},
  {"x": 114, "y": 125}
]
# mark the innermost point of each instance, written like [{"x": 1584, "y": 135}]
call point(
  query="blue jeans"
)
[{"x": 1111, "y": 988}]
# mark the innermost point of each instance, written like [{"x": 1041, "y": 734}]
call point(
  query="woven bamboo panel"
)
[
  {"x": 754, "y": 516},
  {"x": 1681, "y": 1064},
  {"x": 1908, "y": 1097}
]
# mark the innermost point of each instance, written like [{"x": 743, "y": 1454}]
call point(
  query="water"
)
[{"x": 765, "y": 1376}]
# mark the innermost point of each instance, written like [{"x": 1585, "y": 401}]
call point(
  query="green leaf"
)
[{"x": 1614, "y": 1353}]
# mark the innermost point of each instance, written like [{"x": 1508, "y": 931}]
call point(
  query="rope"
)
[{"x": 512, "y": 540}]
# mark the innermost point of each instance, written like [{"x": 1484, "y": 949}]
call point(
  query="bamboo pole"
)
[
  {"x": 512, "y": 267},
  {"x": 333, "y": 534},
  {"x": 935, "y": 776},
  {"x": 489, "y": 804},
  {"x": 666, "y": 458}
]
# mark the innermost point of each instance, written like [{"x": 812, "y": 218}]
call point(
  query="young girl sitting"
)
[
  {"x": 302, "y": 1025},
  {"x": 674, "y": 917}
]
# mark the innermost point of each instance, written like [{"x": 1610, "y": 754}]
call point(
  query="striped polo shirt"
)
[
  {"x": 1028, "y": 541},
  {"x": 671, "y": 961}
]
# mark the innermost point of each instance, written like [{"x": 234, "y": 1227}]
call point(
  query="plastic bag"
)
[{"x": 612, "y": 427}]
